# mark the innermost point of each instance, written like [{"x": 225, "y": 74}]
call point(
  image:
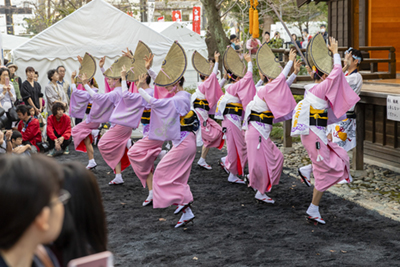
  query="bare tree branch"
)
[{"x": 226, "y": 12}]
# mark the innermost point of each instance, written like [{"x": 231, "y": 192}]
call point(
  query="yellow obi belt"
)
[
  {"x": 233, "y": 108},
  {"x": 318, "y": 117},
  {"x": 201, "y": 104},
  {"x": 264, "y": 117},
  {"x": 146, "y": 116},
  {"x": 190, "y": 122}
]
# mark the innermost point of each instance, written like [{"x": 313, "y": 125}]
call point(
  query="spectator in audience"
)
[
  {"x": 252, "y": 45},
  {"x": 277, "y": 41},
  {"x": 29, "y": 127},
  {"x": 232, "y": 39},
  {"x": 84, "y": 231},
  {"x": 36, "y": 76},
  {"x": 64, "y": 84},
  {"x": 31, "y": 111},
  {"x": 31, "y": 208},
  {"x": 15, "y": 80},
  {"x": 7, "y": 94},
  {"x": 54, "y": 92},
  {"x": 58, "y": 130},
  {"x": 322, "y": 30},
  {"x": 267, "y": 37},
  {"x": 294, "y": 36},
  {"x": 306, "y": 38},
  {"x": 5, "y": 142},
  {"x": 17, "y": 146},
  {"x": 31, "y": 91}
]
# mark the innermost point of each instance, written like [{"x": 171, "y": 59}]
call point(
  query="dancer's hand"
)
[
  {"x": 142, "y": 80},
  {"x": 247, "y": 57},
  {"x": 292, "y": 55},
  {"x": 297, "y": 65},
  {"x": 123, "y": 73},
  {"x": 102, "y": 61},
  {"x": 148, "y": 60},
  {"x": 127, "y": 53},
  {"x": 333, "y": 45},
  {"x": 216, "y": 56},
  {"x": 84, "y": 79},
  {"x": 80, "y": 59},
  {"x": 310, "y": 72}
]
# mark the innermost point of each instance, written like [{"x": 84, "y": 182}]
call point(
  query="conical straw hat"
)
[
  {"x": 267, "y": 62},
  {"x": 88, "y": 67},
  {"x": 114, "y": 71},
  {"x": 233, "y": 62},
  {"x": 201, "y": 64},
  {"x": 173, "y": 67},
  {"x": 308, "y": 56},
  {"x": 320, "y": 54},
  {"x": 138, "y": 66}
]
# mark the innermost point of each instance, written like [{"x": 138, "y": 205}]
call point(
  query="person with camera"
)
[
  {"x": 7, "y": 96},
  {"x": 29, "y": 127}
]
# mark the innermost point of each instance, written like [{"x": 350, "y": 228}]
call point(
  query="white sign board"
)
[{"x": 393, "y": 108}]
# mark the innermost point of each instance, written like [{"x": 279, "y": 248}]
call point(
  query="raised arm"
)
[
  {"x": 101, "y": 64},
  {"x": 148, "y": 61},
  {"x": 297, "y": 65},
  {"x": 123, "y": 77},
  {"x": 288, "y": 67},
  {"x": 216, "y": 58}
]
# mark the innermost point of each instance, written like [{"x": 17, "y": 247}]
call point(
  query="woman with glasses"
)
[{"x": 31, "y": 214}]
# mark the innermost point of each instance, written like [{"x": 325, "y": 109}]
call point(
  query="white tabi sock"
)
[
  {"x": 313, "y": 211},
  {"x": 118, "y": 178},
  {"x": 150, "y": 194},
  {"x": 201, "y": 161}
]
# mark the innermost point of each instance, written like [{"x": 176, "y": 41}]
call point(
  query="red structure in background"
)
[
  {"x": 196, "y": 19},
  {"x": 177, "y": 15}
]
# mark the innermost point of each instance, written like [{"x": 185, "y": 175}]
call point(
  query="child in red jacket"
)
[
  {"x": 58, "y": 130},
  {"x": 29, "y": 128}
]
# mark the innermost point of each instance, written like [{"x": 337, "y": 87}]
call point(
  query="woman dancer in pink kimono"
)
[
  {"x": 265, "y": 159},
  {"x": 145, "y": 151},
  {"x": 81, "y": 103},
  {"x": 330, "y": 162},
  {"x": 114, "y": 144},
  {"x": 230, "y": 108},
  {"x": 204, "y": 101}
]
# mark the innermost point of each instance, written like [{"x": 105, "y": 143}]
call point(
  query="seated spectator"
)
[
  {"x": 54, "y": 92},
  {"x": 58, "y": 130},
  {"x": 84, "y": 231},
  {"x": 17, "y": 146},
  {"x": 31, "y": 111},
  {"x": 31, "y": 91},
  {"x": 29, "y": 127},
  {"x": 31, "y": 214}
]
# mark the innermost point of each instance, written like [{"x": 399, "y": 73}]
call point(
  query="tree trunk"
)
[
  {"x": 268, "y": 21},
  {"x": 143, "y": 10},
  {"x": 216, "y": 38}
]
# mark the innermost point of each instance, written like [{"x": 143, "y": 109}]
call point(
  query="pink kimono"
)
[
  {"x": 145, "y": 151},
  {"x": 331, "y": 162},
  {"x": 237, "y": 153},
  {"x": 170, "y": 181},
  {"x": 211, "y": 131},
  {"x": 265, "y": 159},
  {"x": 79, "y": 102}
]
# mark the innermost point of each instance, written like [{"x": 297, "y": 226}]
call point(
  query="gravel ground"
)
[{"x": 232, "y": 229}]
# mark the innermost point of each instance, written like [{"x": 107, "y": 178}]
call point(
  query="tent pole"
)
[{"x": 288, "y": 32}]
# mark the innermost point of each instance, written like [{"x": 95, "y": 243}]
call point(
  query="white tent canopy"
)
[
  {"x": 189, "y": 40},
  {"x": 97, "y": 28},
  {"x": 11, "y": 41}
]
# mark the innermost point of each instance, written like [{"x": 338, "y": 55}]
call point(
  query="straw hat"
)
[
  {"x": 267, "y": 62},
  {"x": 10, "y": 64},
  {"x": 138, "y": 66},
  {"x": 173, "y": 67},
  {"x": 320, "y": 54},
  {"x": 234, "y": 63},
  {"x": 201, "y": 64},
  {"x": 88, "y": 67},
  {"x": 114, "y": 71},
  {"x": 308, "y": 56}
]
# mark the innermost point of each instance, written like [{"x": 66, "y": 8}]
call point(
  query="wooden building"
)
[{"x": 358, "y": 23}]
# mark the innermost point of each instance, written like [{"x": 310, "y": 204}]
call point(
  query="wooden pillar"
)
[
  {"x": 358, "y": 151},
  {"x": 287, "y": 128}
]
